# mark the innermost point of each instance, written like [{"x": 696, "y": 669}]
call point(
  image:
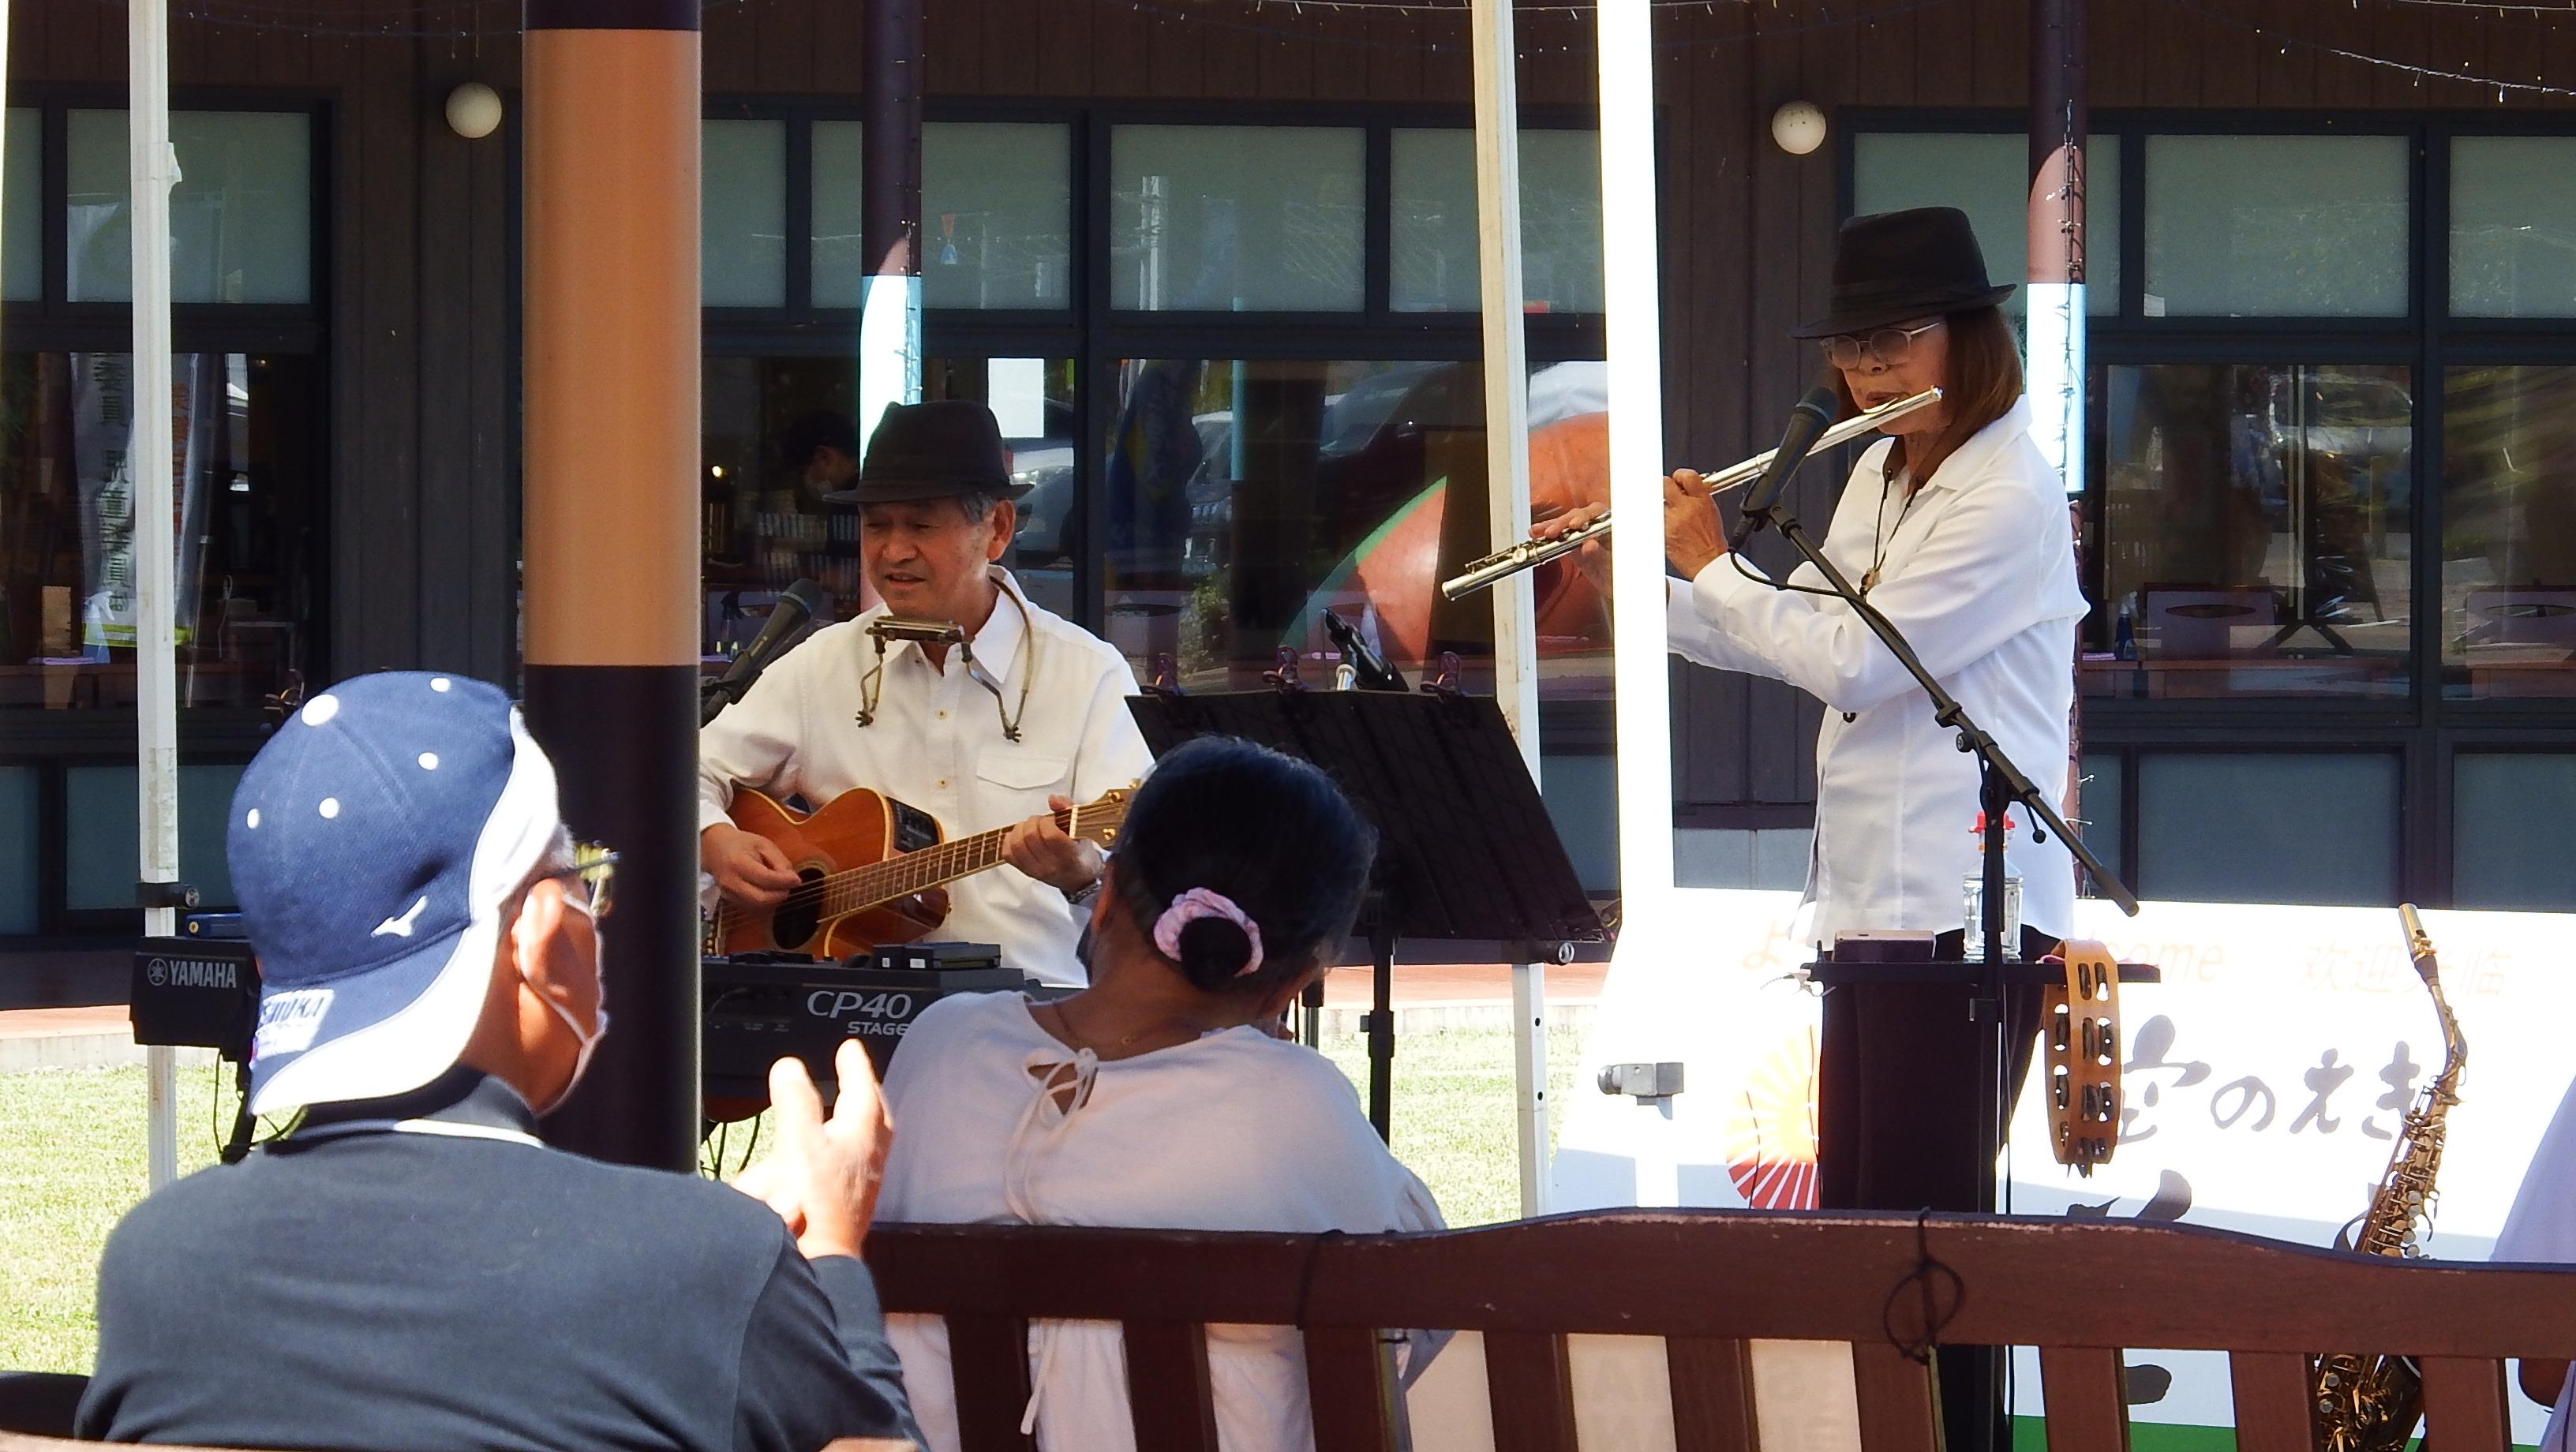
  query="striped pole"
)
[{"x": 611, "y": 547}]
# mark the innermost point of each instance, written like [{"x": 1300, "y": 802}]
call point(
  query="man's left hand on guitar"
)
[{"x": 1041, "y": 848}]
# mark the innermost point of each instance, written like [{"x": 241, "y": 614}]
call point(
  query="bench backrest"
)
[{"x": 1711, "y": 1282}]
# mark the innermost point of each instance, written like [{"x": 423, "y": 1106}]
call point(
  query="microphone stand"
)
[{"x": 2000, "y": 785}]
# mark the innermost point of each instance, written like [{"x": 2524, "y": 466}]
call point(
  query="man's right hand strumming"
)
[{"x": 747, "y": 867}]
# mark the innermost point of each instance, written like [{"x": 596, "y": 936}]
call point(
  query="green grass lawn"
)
[{"x": 71, "y": 1163}]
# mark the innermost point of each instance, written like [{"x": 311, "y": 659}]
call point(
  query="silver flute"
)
[{"x": 1529, "y": 554}]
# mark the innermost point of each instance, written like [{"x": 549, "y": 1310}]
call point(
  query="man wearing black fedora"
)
[{"x": 1028, "y": 714}]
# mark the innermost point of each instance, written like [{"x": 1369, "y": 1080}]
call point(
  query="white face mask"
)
[{"x": 589, "y": 1041}]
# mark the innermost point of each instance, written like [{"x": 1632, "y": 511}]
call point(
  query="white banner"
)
[
  {"x": 2264, "y": 1076},
  {"x": 102, "y": 445}
]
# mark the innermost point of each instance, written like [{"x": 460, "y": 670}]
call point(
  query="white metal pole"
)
[
  {"x": 1633, "y": 322},
  {"x": 1507, "y": 501},
  {"x": 151, "y": 170}
]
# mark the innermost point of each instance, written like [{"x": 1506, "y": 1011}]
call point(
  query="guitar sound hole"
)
[{"x": 795, "y": 921}]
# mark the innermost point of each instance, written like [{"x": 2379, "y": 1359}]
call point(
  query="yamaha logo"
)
[{"x": 158, "y": 970}]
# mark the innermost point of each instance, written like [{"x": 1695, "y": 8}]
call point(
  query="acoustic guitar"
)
[{"x": 865, "y": 859}]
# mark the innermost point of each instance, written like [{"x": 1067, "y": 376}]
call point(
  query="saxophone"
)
[{"x": 2371, "y": 1403}]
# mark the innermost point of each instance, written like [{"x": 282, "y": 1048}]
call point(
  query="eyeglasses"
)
[
  {"x": 596, "y": 866},
  {"x": 1886, "y": 347}
]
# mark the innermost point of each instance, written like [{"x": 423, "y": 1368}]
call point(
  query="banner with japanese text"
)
[{"x": 2264, "y": 1077}]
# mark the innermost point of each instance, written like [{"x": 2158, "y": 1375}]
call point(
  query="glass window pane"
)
[
  {"x": 2509, "y": 531},
  {"x": 778, "y": 440},
  {"x": 241, "y": 218},
  {"x": 2249, "y": 528},
  {"x": 1244, "y": 498},
  {"x": 19, "y": 854},
  {"x": 1236, "y": 218},
  {"x": 2513, "y": 831},
  {"x": 22, "y": 262},
  {"x": 1987, "y": 175},
  {"x": 2268, "y": 828},
  {"x": 1436, "y": 263},
  {"x": 2513, "y": 226},
  {"x": 996, "y": 214},
  {"x": 840, "y": 268},
  {"x": 742, "y": 214},
  {"x": 2276, "y": 226},
  {"x": 247, "y": 486},
  {"x": 103, "y": 840},
  {"x": 2102, "y": 811}
]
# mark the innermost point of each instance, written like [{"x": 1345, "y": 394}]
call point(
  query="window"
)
[
  {"x": 2513, "y": 227},
  {"x": 2513, "y": 831},
  {"x": 241, "y": 217},
  {"x": 1246, "y": 497},
  {"x": 2278, "y": 226},
  {"x": 247, "y": 484},
  {"x": 742, "y": 214},
  {"x": 1437, "y": 266},
  {"x": 2509, "y": 531},
  {"x": 2253, "y": 535},
  {"x": 1987, "y": 175},
  {"x": 1236, "y": 218},
  {"x": 996, "y": 210},
  {"x": 2269, "y": 827}
]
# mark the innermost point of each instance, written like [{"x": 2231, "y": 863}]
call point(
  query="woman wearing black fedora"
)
[{"x": 1957, "y": 530}]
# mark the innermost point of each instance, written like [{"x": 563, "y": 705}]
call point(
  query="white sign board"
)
[{"x": 2264, "y": 1076}]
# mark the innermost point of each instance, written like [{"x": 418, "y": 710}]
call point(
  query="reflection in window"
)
[
  {"x": 241, "y": 218},
  {"x": 2509, "y": 531},
  {"x": 779, "y": 442},
  {"x": 1987, "y": 175},
  {"x": 246, "y": 486},
  {"x": 1436, "y": 264},
  {"x": 1245, "y": 498},
  {"x": 996, "y": 211},
  {"x": 742, "y": 214},
  {"x": 1236, "y": 218},
  {"x": 2276, "y": 226},
  {"x": 2513, "y": 226},
  {"x": 2251, "y": 529}
]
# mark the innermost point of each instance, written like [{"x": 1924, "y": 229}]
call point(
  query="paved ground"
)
[{"x": 1427, "y": 999}]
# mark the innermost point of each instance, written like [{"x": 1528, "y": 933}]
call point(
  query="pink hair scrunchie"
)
[{"x": 1197, "y": 903}]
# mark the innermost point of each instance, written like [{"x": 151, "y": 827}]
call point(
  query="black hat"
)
[
  {"x": 1895, "y": 266},
  {"x": 934, "y": 450}
]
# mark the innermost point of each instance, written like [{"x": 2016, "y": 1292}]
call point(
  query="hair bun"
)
[{"x": 1214, "y": 951}]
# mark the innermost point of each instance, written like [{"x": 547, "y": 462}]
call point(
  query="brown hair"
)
[{"x": 1984, "y": 380}]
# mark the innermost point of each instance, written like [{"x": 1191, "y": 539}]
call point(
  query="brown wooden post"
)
[{"x": 611, "y": 548}]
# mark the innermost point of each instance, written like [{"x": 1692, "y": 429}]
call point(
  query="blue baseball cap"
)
[{"x": 373, "y": 843}]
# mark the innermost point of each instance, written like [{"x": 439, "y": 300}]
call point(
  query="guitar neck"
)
[{"x": 882, "y": 882}]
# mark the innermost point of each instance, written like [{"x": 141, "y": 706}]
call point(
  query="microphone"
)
[
  {"x": 796, "y": 605},
  {"x": 1814, "y": 414},
  {"x": 1367, "y": 666}
]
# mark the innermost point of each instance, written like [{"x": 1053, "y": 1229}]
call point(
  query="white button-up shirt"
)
[
  {"x": 1979, "y": 575},
  {"x": 937, "y": 744}
]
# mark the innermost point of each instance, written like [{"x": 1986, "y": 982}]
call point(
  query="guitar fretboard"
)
[{"x": 880, "y": 883}]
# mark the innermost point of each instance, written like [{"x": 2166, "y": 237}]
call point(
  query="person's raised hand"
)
[
  {"x": 747, "y": 867},
  {"x": 1593, "y": 556},
  {"x": 823, "y": 1178}
]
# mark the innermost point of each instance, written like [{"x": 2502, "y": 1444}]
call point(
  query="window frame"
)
[{"x": 52, "y": 742}]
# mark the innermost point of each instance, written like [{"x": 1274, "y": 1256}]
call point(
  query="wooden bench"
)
[{"x": 1711, "y": 1282}]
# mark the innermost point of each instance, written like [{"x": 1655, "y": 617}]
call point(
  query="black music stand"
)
[{"x": 1466, "y": 852}]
